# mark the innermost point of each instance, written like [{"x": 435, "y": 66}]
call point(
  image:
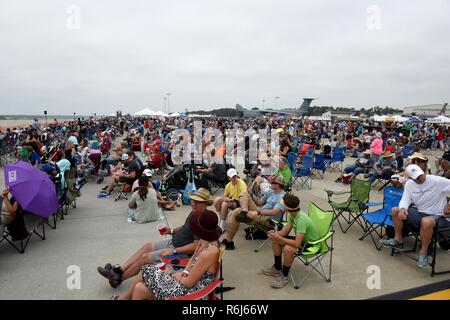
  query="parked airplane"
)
[{"x": 257, "y": 113}]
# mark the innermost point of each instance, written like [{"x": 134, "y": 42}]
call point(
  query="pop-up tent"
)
[
  {"x": 175, "y": 114},
  {"x": 439, "y": 120},
  {"x": 145, "y": 112}
]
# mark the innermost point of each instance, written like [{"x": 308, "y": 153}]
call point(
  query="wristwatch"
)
[{"x": 174, "y": 251}]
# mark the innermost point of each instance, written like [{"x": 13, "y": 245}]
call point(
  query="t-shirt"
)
[
  {"x": 233, "y": 191},
  {"x": 286, "y": 173},
  {"x": 146, "y": 210},
  {"x": 387, "y": 163},
  {"x": 429, "y": 197},
  {"x": 366, "y": 161},
  {"x": 184, "y": 236},
  {"x": 272, "y": 201},
  {"x": 133, "y": 166},
  {"x": 302, "y": 223}
]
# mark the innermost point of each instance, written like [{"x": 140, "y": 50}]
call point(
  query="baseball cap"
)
[
  {"x": 124, "y": 157},
  {"x": 279, "y": 180},
  {"x": 413, "y": 171},
  {"x": 148, "y": 172},
  {"x": 231, "y": 173}
]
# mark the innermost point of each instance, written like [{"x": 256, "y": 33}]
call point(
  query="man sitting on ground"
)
[
  {"x": 183, "y": 241},
  {"x": 128, "y": 177},
  {"x": 230, "y": 200},
  {"x": 288, "y": 246},
  {"x": 429, "y": 195},
  {"x": 272, "y": 209}
]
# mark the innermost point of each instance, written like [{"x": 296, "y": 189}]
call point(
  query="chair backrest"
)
[
  {"x": 319, "y": 160},
  {"x": 392, "y": 197},
  {"x": 360, "y": 190},
  {"x": 338, "y": 154},
  {"x": 307, "y": 162},
  {"x": 291, "y": 159},
  {"x": 323, "y": 221},
  {"x": 311, "y": 151}
]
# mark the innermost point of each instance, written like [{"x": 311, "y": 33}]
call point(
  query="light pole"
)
[
  {"x": 168, "y": 102},
  {"x": 74, "y": 116},
  {"x": 45, "y": 113},
  {"x": 165, "y": 103}
]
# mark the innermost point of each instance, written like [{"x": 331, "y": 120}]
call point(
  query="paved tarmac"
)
[{"x": 97, "y": 232}]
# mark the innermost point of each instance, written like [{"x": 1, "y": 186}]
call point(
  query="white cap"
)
[
  {"x": 124, "y": 157},
  {"x": 231, "y": 173},
  {"x": 148, "y": 172},
  {"x": 413, "y": 171}
]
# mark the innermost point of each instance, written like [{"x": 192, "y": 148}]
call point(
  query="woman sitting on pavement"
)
[
  {"x": 143, "y": 206},
  {"x": 283, "y": 244},
  {"x": 165, "y": 203},
  {"x": 156, "y": 284}
]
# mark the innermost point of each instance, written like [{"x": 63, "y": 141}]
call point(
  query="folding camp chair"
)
[
  {"x": 303, "y": 173},
  {"x": 276, "y": 223},
  {"x": 216, "y": 186},
  {"x": 377, "y": 221},
  {"x": 337, "y": 159},
  {"x": 408, "y": 150},
  {"x": 354, "y": 206},
  {"x": 208, "y": 293},
  {"x": 440, "y": 237},
  {"x": 291, "y": 157},
  {"x": 312, "y": 253},
  {"x": 319, "y": 165},
  {"x": 122, "y": 193},
  {"x": 32, "y": 224}
]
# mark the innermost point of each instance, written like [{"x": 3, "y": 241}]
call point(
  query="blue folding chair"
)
[
  {"x": 377, "y": 221},
  {"x": 319, "y": 166},
  {"x": 291, "y": 157},
  {"x": 303, "y": 173},
  {"x": 337, "y": 159},
  {"x": 408, "y": 150}
]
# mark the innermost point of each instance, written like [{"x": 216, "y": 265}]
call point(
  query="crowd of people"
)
[{"x": 138, "y": 155}]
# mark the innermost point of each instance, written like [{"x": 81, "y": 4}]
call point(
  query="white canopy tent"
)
[
  {"x": 439, "y": 120},
  {"x": 175, "y": 114},
  {"x": 161, "y": 114},
  {"x": 396, "y": 118},
  {"x": 145, "y": 112}
]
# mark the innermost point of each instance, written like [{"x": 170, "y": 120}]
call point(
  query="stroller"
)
[{"x": 173, "y": 187}]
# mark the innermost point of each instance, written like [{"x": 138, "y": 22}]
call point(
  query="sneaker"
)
[
  {"x": 337, "y": 180},
  {"x": 116, "y": 277},
  {"x": 229, "y": 245},
  {"x": 392, "y": 243},
  {"x": 422, "y": 260},
  {"x": 280, "y": 281},
  {"x": 106, "y": 270},
  {"x": 104, "y": 195},
  {"x": 271, "y": 271}
]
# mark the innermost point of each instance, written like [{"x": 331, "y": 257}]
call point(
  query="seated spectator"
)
[
  {"x": 12, "y": 217},
  {"x": 271, "y": 209},
  {"x": 283, "y": 170},
  {"x": 361, "y": 165},
  {"x": 127, "y": 177},
  {"x": 418, "y": 159},
  {"x": 216, "y": 172},
  {"x": 153, "y": 283},
  {"x": 231, "y": 196},
  {"x": 167, "y": 204},
  {"x": 383, "y": 168},
  {"x": 183, "y": 241},
  {"x": 285, "y": 245},
  {"x": 430, "y": 208},
  {"x": 143, "y": 206}
]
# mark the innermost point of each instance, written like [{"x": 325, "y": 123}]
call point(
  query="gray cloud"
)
[{"x": 208, "y": 54}]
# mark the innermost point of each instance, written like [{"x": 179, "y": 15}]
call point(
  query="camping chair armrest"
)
[
  {"x": 337, "y": 193},
  {"x": 329, "y": 234},
  {"x": 202, "y": 293},
  {"x": 373, "y": 204}
]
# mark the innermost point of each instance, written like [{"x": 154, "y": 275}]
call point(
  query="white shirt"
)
[{"x": 429, "y": 197}]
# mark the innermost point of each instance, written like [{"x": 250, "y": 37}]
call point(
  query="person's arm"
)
[
  {"x": 132, "y": 204},
  {"x": 406, "y": 200},
  {"x": 295, "y": 243},
  {"x": 204, "y": 261},
  {"x": 270, "y": 212},
  {"x": 186, "y": 249},
  {"x": 11, "y": 208}
]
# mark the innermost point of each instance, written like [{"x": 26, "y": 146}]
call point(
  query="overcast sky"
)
[{"x": 126, "y": 55}]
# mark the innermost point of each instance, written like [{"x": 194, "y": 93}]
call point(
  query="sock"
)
[
  {"x": 277, "y": 262},
  {"x": 285, "y": 270}
]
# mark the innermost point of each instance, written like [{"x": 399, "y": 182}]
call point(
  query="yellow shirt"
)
[{"x": 233, "y": 191}]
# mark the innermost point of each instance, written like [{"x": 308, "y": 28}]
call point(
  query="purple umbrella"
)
[{"x": 32, "y": 188}]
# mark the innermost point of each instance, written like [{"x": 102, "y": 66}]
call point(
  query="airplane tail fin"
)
[
  {"x": 444, "y": 107},
  {"x": 239, "y": 107}
]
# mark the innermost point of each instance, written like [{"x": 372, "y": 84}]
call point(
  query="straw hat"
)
[
  {"x": 279, "y": 180},
  {"x": 367, "y": 152},
  {"x": 387, "y": 154},
  {"x": 201, "y": 195},
  {"x": 205, "y": 225},
  {"x": 417, "y": 155}
]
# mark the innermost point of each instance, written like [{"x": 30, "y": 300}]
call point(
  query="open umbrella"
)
[{"x": 32, "y": 188}]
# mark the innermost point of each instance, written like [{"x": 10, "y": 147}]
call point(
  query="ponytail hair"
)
[{"x": 143, "y": 187}]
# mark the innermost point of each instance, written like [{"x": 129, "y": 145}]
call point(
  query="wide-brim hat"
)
[
  {"x": 417, "y": 155},
  {"x": 387, "y": 154},
  {"x": 201, "y": 195},
  {"x": 289, "y": 208},
  {"x": 205, "y": 225},
  {"x": 367, "y": 152},
  {"x": 279, "y": 180}
]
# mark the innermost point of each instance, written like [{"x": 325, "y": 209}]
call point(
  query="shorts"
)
[
  {"x": 415, "y": 217},
  {"x": 158, "y": 247}
]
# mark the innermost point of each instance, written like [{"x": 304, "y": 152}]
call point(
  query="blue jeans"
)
[
  {"x": 353, "y": 168},
  {"x": 385, "y": 174}
]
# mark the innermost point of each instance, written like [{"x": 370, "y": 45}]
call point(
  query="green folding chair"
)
[
  {"x": 351, "y": 210},
  {"x": 313, "y": 253}
]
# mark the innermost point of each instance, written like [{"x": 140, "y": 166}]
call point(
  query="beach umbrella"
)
[{"x": 32, "y": 188}]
